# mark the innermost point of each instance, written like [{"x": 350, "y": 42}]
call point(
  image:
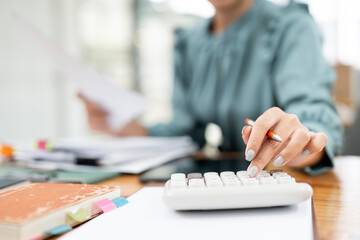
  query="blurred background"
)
[{"x": 130, "y": 42}]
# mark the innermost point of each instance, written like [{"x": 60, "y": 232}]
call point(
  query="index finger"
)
[{"x": 262, "y": 125}]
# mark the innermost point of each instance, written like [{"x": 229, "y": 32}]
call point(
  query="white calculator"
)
[{"x": 229, "y": 190}]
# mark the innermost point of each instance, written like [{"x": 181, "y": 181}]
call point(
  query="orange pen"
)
[{"x": 270, "y": 134}]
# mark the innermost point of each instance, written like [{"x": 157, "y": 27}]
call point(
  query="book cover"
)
[{"x": 34, "y": 208}]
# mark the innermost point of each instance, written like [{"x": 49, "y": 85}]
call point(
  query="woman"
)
[{"x": 256, "y": 60}]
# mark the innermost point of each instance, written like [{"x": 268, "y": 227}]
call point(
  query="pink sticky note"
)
[
  {"x": 37, "y": 237},
  {"x": 105, "y": 205},
  {"x": 42, "y": 144}
]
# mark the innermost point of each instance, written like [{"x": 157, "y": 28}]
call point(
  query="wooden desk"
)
[{"x": 336, "y": 197}]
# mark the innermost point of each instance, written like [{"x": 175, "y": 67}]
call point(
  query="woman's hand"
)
[
  {"x": 97, "y": 117},
  {"x": 299, "y": 148}
]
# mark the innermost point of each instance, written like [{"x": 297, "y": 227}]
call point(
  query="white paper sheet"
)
[
  {"x": 147, "y": 217},
  {"x": 122, "y": 105}
]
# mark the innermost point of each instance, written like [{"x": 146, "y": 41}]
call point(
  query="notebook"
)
[
  {"x": 147, "y": 217},
  {"x": 59, "y": 176},
  {"x": 38, "y": 210}
]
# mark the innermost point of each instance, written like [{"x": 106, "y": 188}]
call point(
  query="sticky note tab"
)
[
  {"x": 41, "y": 144},
  {"x": 80, "y": 215},
  {"x": 39, "y": 237},
  {"x": 59, "y": 229},
  {"x": 6, "y": 151},
  {"x": 120, "y": 201},
  {"x": 105, "y": 205}
]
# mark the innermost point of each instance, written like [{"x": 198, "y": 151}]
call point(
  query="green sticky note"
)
[{"x": 80, "y": 216}]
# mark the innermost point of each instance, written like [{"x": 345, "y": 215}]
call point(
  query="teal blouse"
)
[{"x": 270, "y": 56}]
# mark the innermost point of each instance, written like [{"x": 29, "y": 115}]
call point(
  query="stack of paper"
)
[{"x": 125, "y": 155}]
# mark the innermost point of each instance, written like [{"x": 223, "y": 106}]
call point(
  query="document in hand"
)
[
  {"x": 122, "y": 105},
  {"x": 147, "y": 217}
]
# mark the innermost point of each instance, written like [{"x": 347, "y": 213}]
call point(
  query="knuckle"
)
[
  {"x": 285, "y": 154},
  {"x": 303, "y": 134},
  {"x": 275, "y": 110},
  {"x": 293, "y": 118},
  {"x": 263, "y": 118},
  {"x": 324, "y": 137},
  {"x": 253, "y": 145},
  {"x": 272, "y": 144},
  {"x": 262, "y": 161},
  {"x": 264, "y": 121},
  {"x": 261, "y": 124}
]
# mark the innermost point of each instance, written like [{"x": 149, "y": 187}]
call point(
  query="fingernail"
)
[
  {"x": 250, "y": 155},
  {"x": 305, "y": 153},
  {"x": 242, "y": 131},
  {"x": 278, "y": 161},
  {"x": 253, "y": 170}
]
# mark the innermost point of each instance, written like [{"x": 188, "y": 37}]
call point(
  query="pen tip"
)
[{"x": 277, "y": 138}]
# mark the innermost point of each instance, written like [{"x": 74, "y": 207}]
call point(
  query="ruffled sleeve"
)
[{"x": 304, "y": 82}]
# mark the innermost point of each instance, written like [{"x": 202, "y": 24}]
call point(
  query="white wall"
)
[{"x": 35, "y": 102}]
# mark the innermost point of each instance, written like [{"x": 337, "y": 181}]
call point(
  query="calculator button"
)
[
  {"x": 263, "y": 174},
  {"x": 275, "y": 171},
  {"x": 233, "y": 182},
  {"x": 267, "y": 177},
  {"x": 178, "y": 176},
  {"x": 282, "y": 177},
  {"x": 178, "y": 184},
  {"x": 229, "y": 178},
  {"x": 194, "y": 176},
  {"x": 244, "y": 176},
  {"x": 212, "y": 179},
  {"x": 227, "y": 173},
  {"x": 212, "y": 184},
  {"x": 196, "y": 183},
  {"x": 241, "y": 173},
  {"x": 286, "y": 180},
  {"x": 279, "y": 174},
  {"x": 250, "y": 181},
  {"x": 268, "y": 180},
  {"x": 211, "y": 174}
]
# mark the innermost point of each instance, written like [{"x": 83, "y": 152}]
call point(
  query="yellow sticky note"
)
[{"x": 80, "y": 215}]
